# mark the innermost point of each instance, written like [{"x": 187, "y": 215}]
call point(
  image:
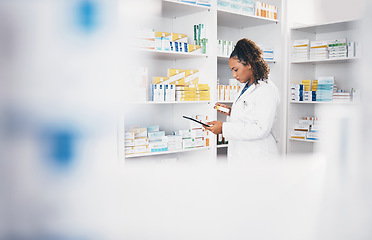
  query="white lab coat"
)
[{"x": 249, "y": 127}]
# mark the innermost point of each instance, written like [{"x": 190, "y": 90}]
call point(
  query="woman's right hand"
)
[{"x": 223, "y": 105}]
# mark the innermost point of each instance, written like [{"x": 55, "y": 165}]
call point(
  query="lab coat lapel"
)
[{"x": 248, "y": 91}]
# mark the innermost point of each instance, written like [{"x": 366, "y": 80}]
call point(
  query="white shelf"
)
[
  {"x": 223, "y": 146},
  {"x": 227, "y": 18},
  {"x": 330, "y": 102},
  {"x": 329, "y": 27},
  {"x": 177, "y": 102},
  {"x": 165, "y": 152},
  {"x": 175, "y": 9},
  {"x": 338, "y": 60},
  {"x": 225, "y": 59},
  {"x": 303, "y": 140},
  {"x": 226, "y": 101},
  {"x": 168, "y": 55}
]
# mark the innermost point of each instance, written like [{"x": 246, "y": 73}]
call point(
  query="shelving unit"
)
[
  {"x": 339, "y": 60},
  {"x": 175, "y": 9},
  {"x": 341, "y": 69},
  {"x": 176, "y": 102},
  {"x": 180, "y": 17},
  {"x": 176, "y": 17},
  {"x": 303, "y": 140},
  {"x": 165, "y": 152},
  {"x": 227, "y": 18},
  {"x": 167, "y": 55}
]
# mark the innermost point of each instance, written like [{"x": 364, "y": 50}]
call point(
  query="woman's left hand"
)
[{"x": 216, "y": 127}]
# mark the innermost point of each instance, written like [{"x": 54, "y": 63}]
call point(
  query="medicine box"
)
[
  {"x": 129, "y": 142},
  {"x": 170, "y": 93},
  {"x": 158, "y": 146},
  {"x": 172, "y": 138},
  {"x": 129, "y": 150},
  {"x": 141, "y": 149},
  {"x": 129, "y": 135},
  {"x": 199, "y": 142},
  {"x": 304, "y": 121},
  {"x": 312, "y": 135},
  {"x": 141, "y": 142},
  {"x": 174, "y": 142},
  {"x": 302, "y": 127},
  {"x": 185, "y": 133},
  {"x": 152, "y": 128},
  {"x": 188, "y": 143},
  {"x": 315, "y": 128},
  {"x": 298, "y": 134},
  {"x": 179, "y": 37},
  {"x": 188, "y": 1},
  {"x": 156, "y": 136},
  {"x": 223, "y": 109},
  {"x": 198, "y": 132},
  {"x": 159, "y": 80},
  {"x": 206, "y": 3},
  {"x": 139, "y": 132}
]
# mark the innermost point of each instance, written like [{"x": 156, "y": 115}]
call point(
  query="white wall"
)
[{"x": 311, "y": 12}]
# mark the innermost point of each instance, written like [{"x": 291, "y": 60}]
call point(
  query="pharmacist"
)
[{"x": 250, "y": 119}]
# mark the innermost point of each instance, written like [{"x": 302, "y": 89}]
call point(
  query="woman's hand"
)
[
  {"x": 216, "y": 127},
  {"x": 223, "y": 105}
]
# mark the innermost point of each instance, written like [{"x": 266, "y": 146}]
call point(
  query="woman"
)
[{"x": 251, "y": 117}]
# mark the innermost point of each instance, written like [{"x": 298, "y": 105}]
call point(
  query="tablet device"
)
[{"x": 192, "y": 119}]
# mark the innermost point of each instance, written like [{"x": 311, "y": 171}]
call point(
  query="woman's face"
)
[{"x": 242, "y": 73}]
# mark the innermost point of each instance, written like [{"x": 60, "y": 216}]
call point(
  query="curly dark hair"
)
[{"x": 247, "y": 52}]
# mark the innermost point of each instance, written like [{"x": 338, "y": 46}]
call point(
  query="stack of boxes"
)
[
  {"x": 174, "y": 142},
  {"x": 136, "y": 141},
  {"x": 266, "y": 10},
  {"x": 297, "y": 92},
  {"x": 249, "y": 7},
  {"x": 162, "y": 93},
  {"x": 198, "y": 92},
  {"x": 200, "y": 37},
  {"x": 300, "y": 50},
  {"x": 324, "y": 49},
  {"x": 156, "y": 142},
  {"x": 307, "y": 94},
  {"x": 321, "y": 90},
  {"x": 340, "y": 95},
  {"x": 150, "y": 139},
  {"x": 227, "y": 92},
  {"x": 337, "y": 48},
  {"x": 180, "y": 85},
  {"x": 165, "y": 41},
  {"x": 318, "y": 50},
  {"x": 268, "y": 53},
  {"x": 225, "y": 48},
  {"x": 146, "y": 38},
  {"x": 306, "y": 128},
  {"x": 198, "y": 133},
  {"x": 325, "y": 89}
]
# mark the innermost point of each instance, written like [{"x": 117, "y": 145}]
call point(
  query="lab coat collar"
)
[{"x": 249, "y": 90}]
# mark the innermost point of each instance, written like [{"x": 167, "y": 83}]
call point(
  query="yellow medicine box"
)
[
  {"x": 162, "y": 34},
  {"x": 157, "y": 80},
  {"x": 194, "y": 48},
  {"x": 179, "y": 37}
]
